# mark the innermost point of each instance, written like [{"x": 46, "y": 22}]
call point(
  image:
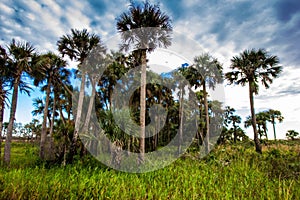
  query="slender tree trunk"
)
[
  {"x": 234, "y": 133},
  {"x": 273, "y": 123},
  {"x": 53, "y": 116},
  {"x": 206, "y": 119},
  {"x": 44, "y": 124},
  {"x": 156, "y": 136},
  {"x": 143, "y": 106},
  {"x": 1, "y": 120},
  {"x": 65, "y": 152},
  {"x": 91, "y": 104},
  {"x": 256, "y": 140},
  {"x": 52, "y": 121},
  {"x": 265, "y": 130},
  {"x": 7, "y": 148},
  {"x": 78, "y": 115},
  {"x": 259, "y": 132},
  {"x": 61, "y": 115},
  {"x": 201, "y": 130},
  {"x": 158, "y": 124},
  {"x": 181, "y": 121}
]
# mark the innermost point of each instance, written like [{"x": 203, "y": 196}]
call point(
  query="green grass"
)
[{"x": 229, "y": 172}]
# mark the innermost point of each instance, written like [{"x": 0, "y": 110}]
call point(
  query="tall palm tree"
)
[
  {"x": 20, "y": 55},
  {"x": 77, "y": 46},
  {"x": 250, "y": 67},
  {"x": 4, "y": 80},
  {"x": 273, "y": 116},
  {"x": 134, "y": 27},
  {"x": 61, "y": 86},
  {"x": 49, "y": 68},
  {"x": 208, "y": 75},
  {"x": 99, "y": 62}
]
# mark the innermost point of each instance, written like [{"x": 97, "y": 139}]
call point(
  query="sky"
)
[{"x": 224, "y": 28}]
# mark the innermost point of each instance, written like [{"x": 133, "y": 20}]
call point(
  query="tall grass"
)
[{"x": 229, "y": 172}]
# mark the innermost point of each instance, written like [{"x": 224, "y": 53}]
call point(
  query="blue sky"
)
[{"x": 223, "y": 28}]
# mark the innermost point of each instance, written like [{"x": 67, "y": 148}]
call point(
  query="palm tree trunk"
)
[
  {"x": 143, "y": 106},
  {"x": 259, "y": 132},
  {"x": 52, "y": 121},
  {"x": 7, "y": 148},
  {"x": 273, "y": 123},
  {"x": 1, "y": 121},
  {"x": 256, "y": 140},
  {"x": 44, "y": 124},
  {"x": 156, "y": 136},
  {"x": 181, "y": 121},
  {"x": 265, "y": 130},
  {"x": 78, "y": 115},
  {"x": 91, "y": 103},
  {"x": 61, "y": 114},
  {"x": 234, "y": 132},
  {"x": 206, "y": 118}
]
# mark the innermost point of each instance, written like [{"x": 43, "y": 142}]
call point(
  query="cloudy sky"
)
[{"x": 222, "y": 27}]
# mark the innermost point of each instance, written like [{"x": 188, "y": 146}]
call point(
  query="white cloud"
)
[{"x": 6, "y": 9}]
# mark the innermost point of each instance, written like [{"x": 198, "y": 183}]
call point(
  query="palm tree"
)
[
  {"x": 250, "y": 67},
  {"x": 291, "y": 134},
  {"x": 50, "y": 67},
  {"x": 273, "y": 116},
  {"x": 99, "y": 61},
  {"x": 261, "y": 120},
  {"x": 230, "y": 117},
  {"x": 134, "y": 27},
  {"x": 61, "y": 86},
  {"x": 4, "y": 79},
  {"x": 208, "y": 75},
  {"x": 77, "y": 46},
  {"x": 21, "y": 53}
]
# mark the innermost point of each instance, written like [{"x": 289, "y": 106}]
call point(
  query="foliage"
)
[
  {"x": 250, "y": 67},
  {"x": 291, "y": 134}
]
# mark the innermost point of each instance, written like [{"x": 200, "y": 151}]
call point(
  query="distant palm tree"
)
[
  {"x": 208, "y": 74},
  {"x": 292, "y": 134},
  {"x": 21, "y": 54},
  {"x": 134, "y": 27},
  {"x": 250, "y": 67},
  {"x": 261, "y": 120},
  {"x": 273, "y": 116},
  {"x": 78, "y": 46},
  {"x": 230, "y": 117}
]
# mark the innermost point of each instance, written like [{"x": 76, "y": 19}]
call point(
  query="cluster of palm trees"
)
[
  {"x": 232, "y": 123},
  {"x": 20, "y": 61},
  {"x": 261, "y": 121}
]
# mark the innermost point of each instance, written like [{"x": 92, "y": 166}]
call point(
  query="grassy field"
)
[{"x": 229, "y": 172}]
